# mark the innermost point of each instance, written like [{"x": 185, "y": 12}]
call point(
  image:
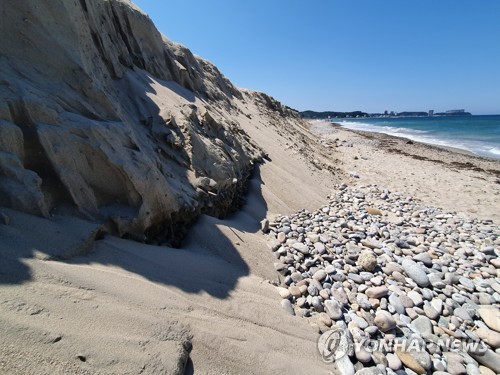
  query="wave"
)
[{"x": 425, "y": 136}]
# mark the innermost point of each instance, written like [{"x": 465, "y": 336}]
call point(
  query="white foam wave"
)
[{"x": 475, "y": 147}]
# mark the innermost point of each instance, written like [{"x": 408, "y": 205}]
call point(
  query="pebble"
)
[
  {"x": 384, "y": 321},
  {"x": 287, "y": 306},
  {"x": 416, "y": 298},
  {"x": 413, "y": 273},
  {"x": 377, "y": 292},
  {"x": 489, "y": 336},
  {"x": 423, "y": 325},
  {"x": 491, "y": 316},
  {"x": 409, "y": 360},
  {"x": 396, "y": 303},
  {"x": 320, "y": 275},
  {"x": 284, "y": 292},
  {"x": 333, "y": 309},
  {"x": 425, "y": 258},
  {"x": 489, "y": 359},
  {"x": 430, "y": 311},
  {"x": 393, "y": 361},
  {"x": 367, "y": 260}
]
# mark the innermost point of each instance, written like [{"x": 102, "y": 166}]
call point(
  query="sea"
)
[{"x": 477, "y": 134}]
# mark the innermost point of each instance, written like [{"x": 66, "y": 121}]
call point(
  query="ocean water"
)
[{"x": 477, "y": 134}]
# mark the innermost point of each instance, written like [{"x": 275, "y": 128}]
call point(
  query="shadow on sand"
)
[{"x": 208, "y": 261}]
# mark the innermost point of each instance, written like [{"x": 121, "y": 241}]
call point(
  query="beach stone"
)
[
  {"x": 462, "y": 314},
  {"x": 384, "y": 321},
  {"x": 430, "y": 312},
  {"x": 312, "y": 290},
  {"x": 362, "y": 355},
  {"x": 455, "y": 368},
  {"x": 438, "y": 365},
  {"x": 415, "y": 272},
  {"x": 363, "y": 301},
  {"x": 425, "y": 258},
  {"x": 416, "y": 298},
  {"x": 489, "y": 336},
  {"x": 489, "y": 359},
  {"x": 415, "y": 361},
  {"x": 401, "y": 243},
  {"x": 284, "y": 292},
  {"x": 320, "y": 275},
  {"x": 319, "y": 247},
  {"x": 427, "y": 294},
  {"x": 371, "y": 243},
  {"x": 281, "y": 237},
  {"x": 317, "y": 304},
  {"x": 393, "y": 361},
  {"x": 301, "y": 302},
  {"x": 423, "y": 325},
  {"x": 396, "y": 303},
  {"x": 472, "y": 369},
  {"x": 485, "y": 299},
  {"x": 437, "y": 304},
  {"x": 399, "y": 277},
  {"x": 369, "y": 371},
  {"x": 434, "y": 278},
  {"x": 304, "y": 249},
  {"x": 377, "y": 292},
  {"x": 345, "y": 366},
  {"x": 330, "y": 269},
  {"x": 296, "y": 277},
  {"x": 459, "y": 298},
  {"x": 340, "y": 295},
  {"x": 467, "y": 283},
  {"x": 281, "y": 268},
  {"x": 333, "y": 309},
  {"x": 264, "y": 226},
  {"x": 325, "y": 319},
  {"x": 374, "y": 211},
  {"x": 295, "y": 291},
  {"x": 406, "y": 301},
  {"x": 392, "y": 267},
  {"x": 486, "y": 371},
  {"x": 367, "y": 260},
  {"x": 358, "y": 321},
  {"x": 377, "y": 281},
  {"x": 287, "y": 306},
  {"x": 355, "y": 277},
  {"x": 323, "y": 293},
  {"x": 491, "y": 316}
]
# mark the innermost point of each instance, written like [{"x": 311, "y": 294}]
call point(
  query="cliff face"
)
[{"x": 103, "y": 117}]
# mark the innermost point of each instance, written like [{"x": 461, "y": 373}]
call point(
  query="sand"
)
[
  {"x": 451, "y": 179},
  {"x": 74, "y": 300},
  {"x": 126, "y": 307}
]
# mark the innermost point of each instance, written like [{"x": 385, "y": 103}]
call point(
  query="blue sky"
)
[{"x": 348, "y": 55}]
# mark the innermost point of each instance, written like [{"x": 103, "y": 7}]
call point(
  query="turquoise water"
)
[{"x": 477, "y": 134}]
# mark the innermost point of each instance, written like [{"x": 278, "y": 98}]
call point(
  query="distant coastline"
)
[{"x": 313, "y": 115}]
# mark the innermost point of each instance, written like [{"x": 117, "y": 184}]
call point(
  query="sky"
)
[{"x": 332, "y": 55}]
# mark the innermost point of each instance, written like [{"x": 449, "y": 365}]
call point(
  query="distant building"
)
[
  {"x": 431, "y": 112},
  {"x": 455, "y": 111}
]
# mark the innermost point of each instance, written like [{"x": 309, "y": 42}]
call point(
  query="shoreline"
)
[
  {"x": 439, "y": 142},
  {"x": 445, "y": 177}
]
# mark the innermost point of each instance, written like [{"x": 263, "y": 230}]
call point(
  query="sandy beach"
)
[
  {"x": 156, "y": 219},
  {"x": 452, "y": 179}
]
